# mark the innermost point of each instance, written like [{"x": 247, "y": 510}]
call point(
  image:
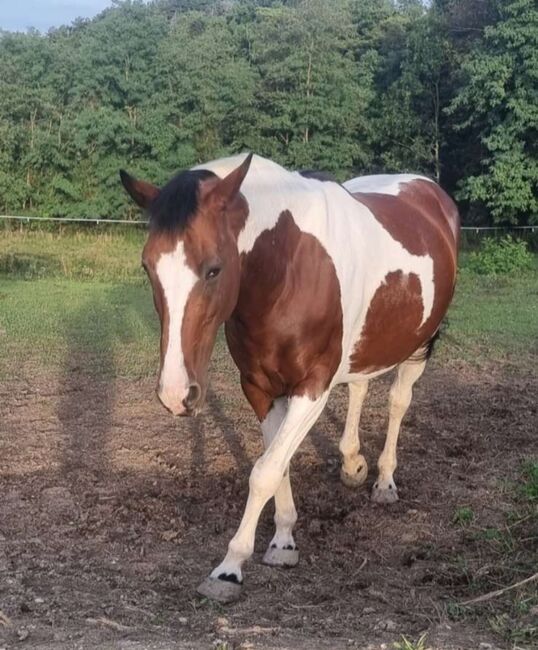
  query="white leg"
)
[
  {"x": 282, "y": 550},
  {"x": 265, "y": 478},
  {"x": 354, "y": 467},
  {"x": 401, "y": 392}
]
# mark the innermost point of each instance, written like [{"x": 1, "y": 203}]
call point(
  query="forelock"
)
[{"x": 178, "y": 201}]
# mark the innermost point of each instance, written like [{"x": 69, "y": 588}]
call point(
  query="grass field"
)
[
  {"x": 85, "y": 291},
  {"x": 78, "y": 355}
]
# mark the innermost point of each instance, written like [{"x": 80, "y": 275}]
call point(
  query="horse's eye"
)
[{"x": 212, "y": 273}]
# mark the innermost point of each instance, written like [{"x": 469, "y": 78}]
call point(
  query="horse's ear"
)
[
  {"x": 141, "y": 192},
  {"x": 228, "y": 188}
]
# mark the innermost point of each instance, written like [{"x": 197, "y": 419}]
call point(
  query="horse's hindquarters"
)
[{"x": 417, "y": 280}]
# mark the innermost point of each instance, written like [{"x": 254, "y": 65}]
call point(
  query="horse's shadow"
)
[
  {"x": 88, "y": 378},
  {"x": 88, "y": 392}
]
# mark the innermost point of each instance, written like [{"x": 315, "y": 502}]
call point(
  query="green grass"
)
[
  {"x": 529, "y": 487},
  {"x": 49, "y": 322},
  {"x": 463, "y": 516},
  {"x": 72, "y": 292},
  {"x": 70, "y": 253},
  {"x": 407, "y": 644},
  {"x": 493, "y": 317}
]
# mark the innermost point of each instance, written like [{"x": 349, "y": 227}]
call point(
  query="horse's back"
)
[
  {"x": 408, "y": 201},
  {"x": 391, "y": 184}
]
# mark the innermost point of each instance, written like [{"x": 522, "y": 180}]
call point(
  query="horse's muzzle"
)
[{"x": 184, "y": 405}]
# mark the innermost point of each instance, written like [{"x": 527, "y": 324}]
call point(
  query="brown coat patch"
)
[
  {"x": 395, "y": 308},
  {"x": 285, "y": 334},
  {"x": 425, "y": 221}
]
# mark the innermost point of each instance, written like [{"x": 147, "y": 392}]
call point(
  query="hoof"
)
[
  {"x": 384, "y": 495},
  {"x": 357, "y": 479},
  {"x": 223, "y": 591},
  {"x": 285, "y": 557}
]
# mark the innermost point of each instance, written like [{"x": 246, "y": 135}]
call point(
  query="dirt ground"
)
[{"x": 111, "y": 513}]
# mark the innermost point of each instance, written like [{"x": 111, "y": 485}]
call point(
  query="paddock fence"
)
[{"x": 471, "y": 236}]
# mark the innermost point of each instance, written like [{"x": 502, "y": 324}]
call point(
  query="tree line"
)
[{"x": 448, "y": 89}]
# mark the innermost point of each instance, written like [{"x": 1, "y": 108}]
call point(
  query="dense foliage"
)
[
  {"x": 499, "y": 257},
  {"x": 448, "y": 88}
]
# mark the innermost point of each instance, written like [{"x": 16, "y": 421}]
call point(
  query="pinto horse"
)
[{"x": 318, "y": 284}]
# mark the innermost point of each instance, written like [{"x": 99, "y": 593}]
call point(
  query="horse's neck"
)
[
  {"x": 271, "y": 190},
  {"x": 269, "y": 201}
]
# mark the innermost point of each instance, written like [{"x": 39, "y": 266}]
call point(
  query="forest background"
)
[{"x": 448, "y": 89}]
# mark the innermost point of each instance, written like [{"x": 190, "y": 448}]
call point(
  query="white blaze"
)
[{"x": 177, "y": 280}]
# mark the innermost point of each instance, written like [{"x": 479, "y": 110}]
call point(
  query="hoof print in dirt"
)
[
  {"x": 283, "y": 557},
  {"x": 384, "y": 495},
  {"x": 354, "y": 480},
  {"x": 223, "y": 590}
]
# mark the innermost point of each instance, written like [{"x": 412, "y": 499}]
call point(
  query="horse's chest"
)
[{"x": 287, "y": 326}]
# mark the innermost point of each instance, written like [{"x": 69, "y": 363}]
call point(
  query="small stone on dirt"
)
[
  {"x": 22, "y": 634},
  {"x": 169, "y": 535},
  {"x": 388, "y": 625}
]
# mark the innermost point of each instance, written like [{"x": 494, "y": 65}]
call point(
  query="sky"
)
[{"x": 18, "y": 15}]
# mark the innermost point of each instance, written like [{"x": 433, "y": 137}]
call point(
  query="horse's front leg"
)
[{"x": 224, "y": 582}]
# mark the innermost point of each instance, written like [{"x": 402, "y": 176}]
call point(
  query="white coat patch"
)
[
  {"x": 177, "y": 280},
  {"x": 382, "y": 183}
]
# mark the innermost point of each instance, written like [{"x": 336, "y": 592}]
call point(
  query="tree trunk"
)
[
  {"x": 306, "y": 136},
  {"x": 436, "y": 143}
]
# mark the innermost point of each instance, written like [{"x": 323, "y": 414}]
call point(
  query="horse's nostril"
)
[{"x": 193, "y": 396}]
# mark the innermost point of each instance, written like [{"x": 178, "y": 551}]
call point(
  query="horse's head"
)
[{"x": 192, "y": 261}]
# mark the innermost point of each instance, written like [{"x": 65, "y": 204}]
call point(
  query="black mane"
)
[
  {"x": 319, "y": 176},
  {"x": 177, "y": 202}
]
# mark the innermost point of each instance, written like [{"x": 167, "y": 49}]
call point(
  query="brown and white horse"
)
[{"x": 318, "y": 284}]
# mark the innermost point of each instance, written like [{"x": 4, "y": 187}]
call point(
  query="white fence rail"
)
[
  {"x": 141, "y": 222},
  {"x": 94, "y": 220}
]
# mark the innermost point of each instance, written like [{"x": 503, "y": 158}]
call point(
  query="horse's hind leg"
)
[
  {"x": 282, "y": 550},
  {"x": 401, "y": 392},
  {"x": 354, "y": 468}
]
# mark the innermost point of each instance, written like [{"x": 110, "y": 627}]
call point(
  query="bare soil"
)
[{"x": 111, "y": 513}]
